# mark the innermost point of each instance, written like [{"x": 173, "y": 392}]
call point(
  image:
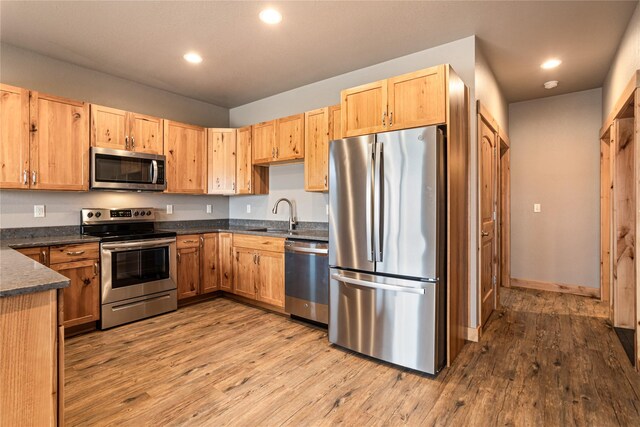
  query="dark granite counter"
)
[
  {"x": 20, "y": 274},
  {"x": 306, "y": 230}
]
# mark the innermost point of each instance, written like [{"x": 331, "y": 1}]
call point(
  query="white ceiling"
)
[{"x": 246, "y": 60}]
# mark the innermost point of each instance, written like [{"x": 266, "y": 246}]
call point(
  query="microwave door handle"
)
[
  {"x": 154, "y": 171},
  {"x": 369, "y": 201}
]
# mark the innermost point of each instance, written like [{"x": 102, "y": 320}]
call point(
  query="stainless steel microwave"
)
[{"x": 126, "y": 170}]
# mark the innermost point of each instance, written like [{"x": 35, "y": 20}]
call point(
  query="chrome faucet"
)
[{"x": 292, "y": 215}]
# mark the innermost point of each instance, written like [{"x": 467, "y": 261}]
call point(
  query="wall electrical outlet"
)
[
  {"x": 209, "y": 208},
  {"x": 169, "y": 209},
  {"x": 248, "y": 208},
  {"x": 38, "y": 211},
  {"x": 536, "y": 208}
]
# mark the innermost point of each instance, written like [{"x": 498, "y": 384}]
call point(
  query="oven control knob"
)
[
  {"x": 148, "y": 213},
  {"x": 136, "y": 213},
  {"x": 90, "y": 214},
  {"x": 142, "y": 213},
  {"x": 98, "y": 214}
]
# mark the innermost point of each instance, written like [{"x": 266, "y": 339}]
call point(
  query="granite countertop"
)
[
  {"x": 48, "y": 241},
  {"x": 301, "y": 234},
  {"x": 20, "y": 274}
]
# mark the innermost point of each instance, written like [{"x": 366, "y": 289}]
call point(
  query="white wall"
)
[
  {"x": 27, "y": 69},
  {"x": 555, "y": 161},
  {"x": 624, "y": 65},
  {"x": 489, "y": 92}
]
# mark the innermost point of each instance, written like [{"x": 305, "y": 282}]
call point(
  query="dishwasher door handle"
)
[{"x": 305, "y": 250}]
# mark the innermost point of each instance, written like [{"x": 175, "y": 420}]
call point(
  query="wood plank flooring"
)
[{"x": 545, "y": 359}]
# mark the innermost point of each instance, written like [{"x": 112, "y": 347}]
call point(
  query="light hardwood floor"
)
[{"x": 545, "y": 359}]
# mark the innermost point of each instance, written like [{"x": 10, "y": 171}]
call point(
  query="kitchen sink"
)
[{"x": 274, "y": 230}]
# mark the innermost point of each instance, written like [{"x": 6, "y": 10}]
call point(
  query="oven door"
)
[
  {"x": 136, "y": 268},
  {"x": 125, "y": 170}
]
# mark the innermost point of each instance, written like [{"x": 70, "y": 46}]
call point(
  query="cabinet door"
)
[
  {"x": 59, "y": 143},
  {"x": 109, "y": 128},
  {"x": 290, "y": 138},
  {"x": 14, "y": 137},
  {"x": 244, "y": 166},
  {"x": 82, "y": 297},
  {"x": 245, "y": 261},
  {"x": 209, "y": 263},
  {"x": 417, "y": 99},
  {"x": 316, "y": 160},
  {"x": 225, "y": 254},
  {"x": 40, "y": 254},
  {"x": 263, "y": 142},
  {"x": 147, "y": 134},
  {"x": 186, "y": 151},
  {"x": 188, "y": 272},
  {"x": 221, "y": 165},
  {"x": 335, "y": 127},
  {"x": 270, "y": 278},
  {"x": 364, "y": 109}
]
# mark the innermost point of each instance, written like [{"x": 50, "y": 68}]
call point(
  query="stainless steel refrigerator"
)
[{"x": 387, "y": 238}]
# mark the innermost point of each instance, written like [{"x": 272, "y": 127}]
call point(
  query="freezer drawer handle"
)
[{"x": 367, "y": 284}]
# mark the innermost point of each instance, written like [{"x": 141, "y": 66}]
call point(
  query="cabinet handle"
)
[
  {"x": 34, "y": 128},
  {"x": 254, "y": 258},
  {"x": 189, "y": 241},
  {"x": 126, "y": 142},
  {"x": 233, "y": 186},
  {"x": 34, "y": 177},
  {"x": 72, "y": 253},
  {"x": 484, "y": 233},
  {"x": 258, "y": 259},
  {"x": 95, "y": 269},
  {"x": 273, "y": 152},
  {"x": 25, "y": 177},
  {"x": 43, "y": 257},
  {"x": 391, "y": 119},
  {"x": 178, "y": 257},
  {"x": 133, "y": 143},
  {"x": 384, "y": 118},
  {"x": 277, "y": 152},
  {"x": 325, "y": 181},
  {"x": 201, "y": 241},
  {"x": 249, "y": 186}
]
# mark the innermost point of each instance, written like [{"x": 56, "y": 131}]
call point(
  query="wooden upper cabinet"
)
[
  {"x": 364, "y": 109},
  {"x": 269, "y": 277},
  {"x": 146, "y": 133},
  {"x": 59, "y": 143},
  {"x": 417, "y": 99},
  {"x": 186, "y": 150},
  {"x": 244, "y": 165},
  {"x": 109, "y": 128},
  {"x": 122, "y": 130},
  {"x": 316, "y": 160},
  {"x": 221, "y": 160},
  {"x": 290, "y": 138},
  {"x": 407, "y": 101},
  {"x": 263, "y": 142},
  {"x": 14, "y": 137},
  {"x": 209, "y": 261},
  {"x": 335, "y": 123}
]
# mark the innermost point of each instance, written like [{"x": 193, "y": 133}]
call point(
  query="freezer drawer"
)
[{"x": 396, "y": 320}]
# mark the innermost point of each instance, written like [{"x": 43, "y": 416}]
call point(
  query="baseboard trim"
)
[
  {"x": 556, "y": 287},
  {"x": 473, "y": 334}
]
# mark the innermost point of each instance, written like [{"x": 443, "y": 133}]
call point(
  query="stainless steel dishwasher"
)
[{"x": 307, "y": 280}]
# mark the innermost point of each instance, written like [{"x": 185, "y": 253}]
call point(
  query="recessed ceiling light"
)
[
  {"x": 192, "y": 57},
  {"x": 552, "y": 63},
  {"x": 551, "y": 84},
  {"x": 270, "y": 16}
]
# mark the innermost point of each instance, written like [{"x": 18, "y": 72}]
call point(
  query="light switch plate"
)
[
  {"x": 38, "y": 211},
  {"x": 536, "y": 208},
  {"x": 169, "y": 209},
  {"x": 209, "y": 208},
  {"x": 248, "y": 208}
]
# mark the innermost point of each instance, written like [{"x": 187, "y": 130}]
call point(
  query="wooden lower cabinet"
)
[
  {"x": 198, "y": 264},
  {"x": 82, "y": 297},
  {"x": 225, "y": 261},
  {"x": 270, "y": 278},
  {"x": 31, "y": 359},
  {"x": 244, "y": 272},
  {"x": 188, "y": 272},
  {"x": 209, "y": 270},
  {"x": 38, "y": 254}
]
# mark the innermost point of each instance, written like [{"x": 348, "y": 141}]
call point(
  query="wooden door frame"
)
[{"x": 504, "y": 211}]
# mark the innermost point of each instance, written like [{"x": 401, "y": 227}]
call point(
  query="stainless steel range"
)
[{"x": 138, "y": 277}]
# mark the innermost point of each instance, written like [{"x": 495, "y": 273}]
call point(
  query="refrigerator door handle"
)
[
  {"x": 378, "y": 202},
  {"x": 370, "y": 202},
  {"x": 373, "y": 285}
]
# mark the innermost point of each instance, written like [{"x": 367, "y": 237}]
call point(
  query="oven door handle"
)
[{"x": 127, "y": 246}]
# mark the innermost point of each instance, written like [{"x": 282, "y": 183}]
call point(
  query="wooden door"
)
[
  {"x": 245, "y": 261},
  {"x": 335, "y": 126},
  {"x": 364, "y": 109},
  {"x": 225, "y": 261},
  {"x": 186, "y": 150},
  {"x": 38, "y": 254},
  {"x": 316, "y": 160},
  {"x": 209, "y": 263},
  {"x": 188, "y": 272},
  {"x": 82, "y": 297},
  {"x": 263, "y": 141},
  {"x": 109, "y": 128},
  {"x": 488, "y": 186},
  {"x": 146, "y": 133},
  {"x": 14, "y": 137},
  {"x": 221, "y": 164},
  {"x": 59, "y": 143},
  {"x": 270, "y": 278},
  {"x": 417, "y": 99},
  {"x": 290, "y": 138}
]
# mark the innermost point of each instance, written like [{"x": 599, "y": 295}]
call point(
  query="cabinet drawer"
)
[
  {"x": 38, "y": 254},
  {"x": 188, "y": 241},
  {"x": 261, "y": 243},
  {"x": 70, "y": 253}
]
